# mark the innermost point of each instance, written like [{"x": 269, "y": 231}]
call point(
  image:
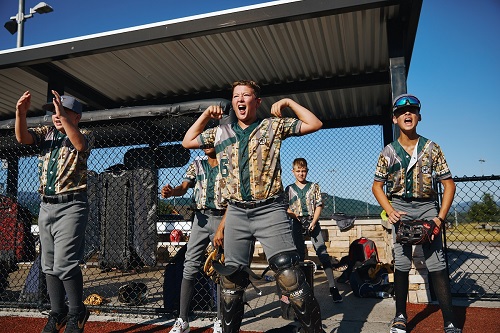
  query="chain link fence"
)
[
  {"x": 472, "y": 239},
  {"x": 135, "y": 239}
]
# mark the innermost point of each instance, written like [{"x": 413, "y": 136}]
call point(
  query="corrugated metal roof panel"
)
[{"x": 343, "y": 45}]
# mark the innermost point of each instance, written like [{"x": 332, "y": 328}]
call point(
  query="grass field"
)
[{"x": 472, "y": 232}]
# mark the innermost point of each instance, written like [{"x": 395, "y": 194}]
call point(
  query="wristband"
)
[{"x": 440, "y": 219}]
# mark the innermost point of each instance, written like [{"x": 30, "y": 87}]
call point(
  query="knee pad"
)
[
  {"x": 292, "y": 282},
  {"x": 289, "y": 276},
  {"x": 283, "y": 260}
]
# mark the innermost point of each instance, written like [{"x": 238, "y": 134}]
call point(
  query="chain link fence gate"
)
[{"x": 472, "y": 238}]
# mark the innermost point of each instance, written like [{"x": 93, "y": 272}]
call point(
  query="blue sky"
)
[{"x": 454, "y": 70}]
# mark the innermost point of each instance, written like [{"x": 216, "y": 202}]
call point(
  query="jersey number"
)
[{"x": 223, "y": 167}]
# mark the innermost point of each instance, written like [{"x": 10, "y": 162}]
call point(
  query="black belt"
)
[
  {"x": 412, "y": 199},
  {"x": 255, "y": 204},
  {"x": 63, "y": 198},
  {"x": 213, "y": 212}
]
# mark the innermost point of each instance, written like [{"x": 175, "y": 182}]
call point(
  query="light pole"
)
[
  {"x": 16, "y": 23},
  {"x": 482, "y": 161}
]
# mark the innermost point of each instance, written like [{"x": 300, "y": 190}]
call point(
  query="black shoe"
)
[
  {"x": 55, "y": 323},
  {"x": 398, "y": 324},
  {"x": 337, "y": 298},
  {"x": 77, "y": 322}
]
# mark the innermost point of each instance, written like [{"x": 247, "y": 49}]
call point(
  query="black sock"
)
[
  {"x": 56, "y": 292},
  {"x": 187, "y": 288},
  {"x": 401, "y": 285},
  {"x": 74, "y": 290},
  {"x": 441, "y": 284}
]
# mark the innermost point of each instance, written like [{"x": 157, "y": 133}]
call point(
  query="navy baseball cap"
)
[
  {"x": 405, "y": 100},
  {"x": 69, "y": 102}
]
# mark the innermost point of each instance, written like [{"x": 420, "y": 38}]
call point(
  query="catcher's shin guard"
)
[
  {"x": 293, "y": 284},
  {"x": 233, "y": 288}
]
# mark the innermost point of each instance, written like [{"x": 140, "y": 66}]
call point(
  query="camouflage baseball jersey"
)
[
  {"x": 303, "y": 201},
  {"x": 61, "y": 167},
  {"x": 412, "y": 176},
  {"x": 206, "y": 180},
  {"x": 249, "y": 159}
]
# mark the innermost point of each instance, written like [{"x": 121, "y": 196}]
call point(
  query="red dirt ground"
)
[{"x": 422, "y": 319}]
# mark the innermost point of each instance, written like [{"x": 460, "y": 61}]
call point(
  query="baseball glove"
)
[
  {"x": 305, "y": 221},
  {"x": 416, "y": 232},
  {"x": 96, "y": 299},
  {"x": 213, "y": 254}
]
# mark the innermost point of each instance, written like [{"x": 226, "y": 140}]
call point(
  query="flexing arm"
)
[
  {"x": 167, "y": 191},
  {"x": 190, "y": 138},
  {"x": 448, "y": 195},
  {"x": 310, "y": 123},
  {"x": 378, "y": 191},
  {"x": 21, "y": 126}
]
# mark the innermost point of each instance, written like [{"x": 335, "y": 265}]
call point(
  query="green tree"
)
[{"x": 485, "y": 211}]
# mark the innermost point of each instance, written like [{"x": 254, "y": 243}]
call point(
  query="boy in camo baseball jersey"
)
[
  {"x": 248, "y": 152},
  {"x": 203, "y": 174},
  {"x": 63, "y": 209},
  {"x": 304, "y": 208},
  {"x": 407, "y": 168}
]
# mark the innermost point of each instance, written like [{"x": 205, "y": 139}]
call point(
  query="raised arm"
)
[
  {"x": 70, "y": 126},
  {"x": 21, "y": 127},
  {"x": 190, "y": 138},
  {"x": 310, "y": 123}
]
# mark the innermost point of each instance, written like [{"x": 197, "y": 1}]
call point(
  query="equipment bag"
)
[
  {"x": 371, "y": 279},
  {"x": 35, "y": 286},
  {"x": 360, "y": 250},
  {"x": 16, "y": 240},
  {"x": 128, "y": 219}
]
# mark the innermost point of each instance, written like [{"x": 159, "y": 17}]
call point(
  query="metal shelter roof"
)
[{"x": 334, "y": 57}]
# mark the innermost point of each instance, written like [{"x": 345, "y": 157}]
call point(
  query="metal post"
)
[
  {"x": 333, "y": 190},
  {"x": 20, "y": 24}
]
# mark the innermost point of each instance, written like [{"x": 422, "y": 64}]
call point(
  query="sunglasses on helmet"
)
[{"x": 406, "y": 100}]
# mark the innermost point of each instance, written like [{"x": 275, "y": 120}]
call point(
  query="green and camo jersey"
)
[
  {"x": 61, "y": 167},
  {"x": 206, "y": 181},
  {"x": 303, "y": 201},
  {"x": 411, "y": 176},
  {"x": 249, "y": 159}
]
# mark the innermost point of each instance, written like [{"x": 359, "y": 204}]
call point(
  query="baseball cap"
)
[
  {"x": 405, "y": 100},
  {"x": 69, "y": 102}
]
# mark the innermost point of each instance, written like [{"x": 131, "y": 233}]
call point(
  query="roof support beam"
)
[{"x": 63, "y": 81}]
